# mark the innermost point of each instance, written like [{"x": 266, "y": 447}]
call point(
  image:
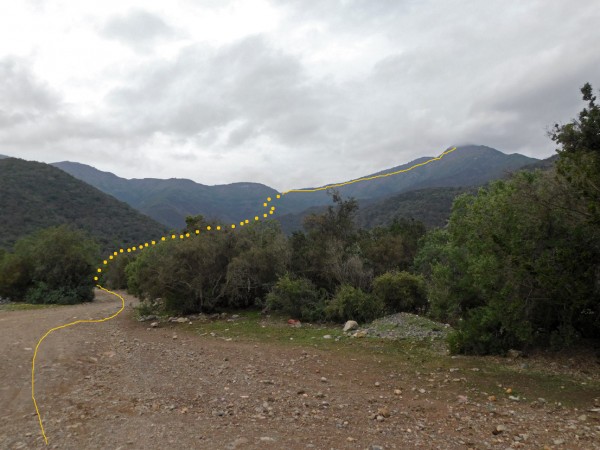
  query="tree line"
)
[{"x": 517, "y": 266}]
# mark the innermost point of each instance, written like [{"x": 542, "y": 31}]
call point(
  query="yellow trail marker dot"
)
[{"x": 37, "y": 410}]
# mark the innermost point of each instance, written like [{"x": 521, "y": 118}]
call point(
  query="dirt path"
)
[{"x": 122, "y": 385}]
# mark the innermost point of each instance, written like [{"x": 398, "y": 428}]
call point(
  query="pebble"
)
[
  {"x": 384, "y": 411},
  {"x": 499, "y": 429}
]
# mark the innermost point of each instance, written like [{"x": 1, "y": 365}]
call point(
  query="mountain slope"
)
[
  {"x": 431, "y": 206},
  {"x": 37, "y": 195},
  {"x": 170, "y": 201}
]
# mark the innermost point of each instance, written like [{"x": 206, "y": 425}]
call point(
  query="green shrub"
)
[
  {"x": 489, "y": 330},
  {"x": 41, "y": 293},
  {"x": 299, "y": 298},
  {"x": 55, "y": 265},
  {"x": 401, "y": 291},
  {"x": 350, "y": 303}
]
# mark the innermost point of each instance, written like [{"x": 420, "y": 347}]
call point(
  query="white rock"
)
[
  {"x": 154, "y": 324},
  {"x": 350, "y": 325}
]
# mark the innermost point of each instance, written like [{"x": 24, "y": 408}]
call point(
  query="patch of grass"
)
[
  {"x": 24, "y": 306},
  {"x": 252, "y": 326}
]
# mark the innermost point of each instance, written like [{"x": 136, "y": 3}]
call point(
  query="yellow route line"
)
[
  {"x": 58, "y": 328},
  {"x": 374, "y": 177}
]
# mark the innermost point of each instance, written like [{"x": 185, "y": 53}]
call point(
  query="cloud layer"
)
[{"x": 288, "y": 93}]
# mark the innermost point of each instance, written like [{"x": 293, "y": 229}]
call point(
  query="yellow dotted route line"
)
[{"x": 265, "y": 215}]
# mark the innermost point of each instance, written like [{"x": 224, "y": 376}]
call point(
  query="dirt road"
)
[{"x": 123, "y": 385}]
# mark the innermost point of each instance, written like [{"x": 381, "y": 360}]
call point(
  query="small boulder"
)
[
  {"x": 154, "y": 325},
  {"x": 350, "y": 325}
]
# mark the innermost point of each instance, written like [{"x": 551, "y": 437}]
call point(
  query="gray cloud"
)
[
  {"x": 138, "y": 28},
  {"x": 23, "y": 98}
]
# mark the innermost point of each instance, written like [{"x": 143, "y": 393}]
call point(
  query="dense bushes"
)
[
  {"x": 299, "y": 298},
  {"x": 401, "y": 291},
  {"x": 517, "y": 268},
  {"x": 220, "y": 269},
  {"x": 350, "y": 303},
  {"x": 55, "y": 265}
]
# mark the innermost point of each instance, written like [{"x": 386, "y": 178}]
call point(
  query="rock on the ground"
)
[{"x": 350, "y": 325}]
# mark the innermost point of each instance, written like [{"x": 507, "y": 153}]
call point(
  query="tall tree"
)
[{"x": 579, "y": 152}]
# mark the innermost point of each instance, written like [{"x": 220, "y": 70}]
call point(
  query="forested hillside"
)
[{"x": 36, "y": 196}]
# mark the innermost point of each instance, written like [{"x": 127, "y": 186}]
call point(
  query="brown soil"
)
[{"x": 123, "y": 385}]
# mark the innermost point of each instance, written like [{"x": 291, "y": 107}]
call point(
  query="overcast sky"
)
[{"x": 287, "y": 93}]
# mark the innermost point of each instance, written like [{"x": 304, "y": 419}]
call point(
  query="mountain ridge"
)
[{"x": 169, "y": 201}]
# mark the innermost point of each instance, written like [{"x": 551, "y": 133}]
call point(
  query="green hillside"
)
[{"x": 37, "y": 195}]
